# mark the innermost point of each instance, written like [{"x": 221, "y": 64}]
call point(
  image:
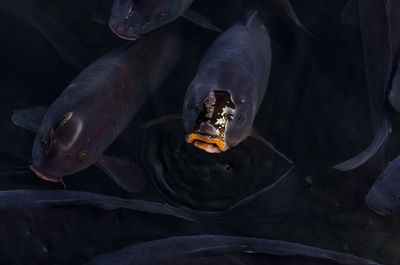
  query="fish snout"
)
[
  {"x": 47, "y": 177},
  {"x": 126, "y": 33}
]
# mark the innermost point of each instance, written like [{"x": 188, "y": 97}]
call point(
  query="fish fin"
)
[
  {"x": 29, "y": 119},
  {"x": 350, "y": 14},
  {"x": 269, "y": 145},
  {"x": 252, "y": 19},
  {"x": 275, "y": 201},
  {"x": 200, "y": 20},
  {"x": 125, "y": 173},
  {"x": 287, "y": 6},
  {"x": 379, "y": 140}
]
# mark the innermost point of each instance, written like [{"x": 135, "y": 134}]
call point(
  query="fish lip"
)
[
  {"x": 133, "y": 38},
  {"x": 44, "y": 177},
  {"x": 208, "y": 143},
  {"x": 380, "y": 212}
]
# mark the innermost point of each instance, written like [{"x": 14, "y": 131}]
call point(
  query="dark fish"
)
[
  {"x": 92, "y": 111},
  {"x": 209, "y": 249},
  {"x": 375, "y": 24},
  {"x": 130, "y": 19},
  {"x": 384, "y": 196},
  {"x": 70, "y": 227},
  {"x": 21, "y": 18},
  {"x": 223, "y": 99}
]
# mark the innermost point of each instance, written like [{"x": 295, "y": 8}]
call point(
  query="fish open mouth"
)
[
  {"x": 209, "y": 131},
  {"x": 44, "y": 177},
  {"x": 207, "y": 143},
  {"x": 131, "y": 38}
]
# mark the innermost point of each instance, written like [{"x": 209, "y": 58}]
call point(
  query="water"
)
[{"x": 315, "y": 112}]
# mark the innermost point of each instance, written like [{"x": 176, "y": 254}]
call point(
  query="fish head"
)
[
  {"x": 384, "y": 196},
  {"x": 63, "y": 146},
  {"x": 215, "y": 122},
  {"x": 132, "y": 18}
]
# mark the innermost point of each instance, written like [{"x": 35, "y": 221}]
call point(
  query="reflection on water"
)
[{"x": 315, "y": 112}]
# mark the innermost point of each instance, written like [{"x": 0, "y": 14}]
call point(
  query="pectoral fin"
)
[
  {"x": 200, "y": 20},
  {"x": 29, "y": 119},
  {"x": 287, "y": 6},
  {"x": 269, "y": 145},
  {"x": 128, "y": 175}
]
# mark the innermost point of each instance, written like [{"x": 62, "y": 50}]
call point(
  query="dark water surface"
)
[{"x": 315, "y": 112}]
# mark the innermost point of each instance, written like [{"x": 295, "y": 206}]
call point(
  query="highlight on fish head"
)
[
  {"x": 63, "y": 146},
  {"x": 384, "y": 196},
  {"x": 216, "y": 122},
  {"x": 132, "y": 18}
]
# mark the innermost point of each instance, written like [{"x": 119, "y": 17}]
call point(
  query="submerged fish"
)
[
  {"x": 384, "y": 196},
  {"x": 221, "y": 250},
  {"x": 20, "y": 18},
  {"x": 98, "y": 104},
  {"x": 376, "y": 18},
  {"x": 70, "y": 227},
  {"x": 130, "y": 19},
  {"x": 223, "y": 99}
]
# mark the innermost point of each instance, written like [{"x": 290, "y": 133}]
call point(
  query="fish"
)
[
  {"x": 223, "y": 99},
  {"x": 34, "y": 222},
  {"x": 131, "y": 19},
  {"x": 375, "y": 24},
  {"x": 74, "y": 132},
  {"x": 22, "y": 20},
  {"x": 384, "y": 196},
  {"x": 217, "y": 249}
]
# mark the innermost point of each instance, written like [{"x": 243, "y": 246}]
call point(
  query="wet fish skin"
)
[
  {"x": 238, "y": 62},
  {"x": 98, "y": 104},
  {"x": 209, "y": 249},
  {"x": 375, "y": 25},
  {"x": 130, "y": 19},
  {"x": 384, "y": 196}
]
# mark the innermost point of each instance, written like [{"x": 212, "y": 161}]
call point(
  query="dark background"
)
[{"x": 315, "y": 112}]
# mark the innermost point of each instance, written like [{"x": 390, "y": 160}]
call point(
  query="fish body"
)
[
  {"x": 223, "y": 99},
  {"x": 98, "y": 104},
  {"x": 375, "y": 24},
  {"x": 384, "y": 196},
  {"x": 70, "y": 227},
  {"x": 130, "y": 19},
  {"x": 211, "y": 249},
  {"x": 22, "y": 19}
]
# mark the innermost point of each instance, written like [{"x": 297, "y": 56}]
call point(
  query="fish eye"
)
[
  {"x": 82, "y": 155},
  {"x": 241, "y": 118},
  {"x": 163, "y": 14},
  {"x": 62, "y": 121},
  {"x": 46, "y": 144}
]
